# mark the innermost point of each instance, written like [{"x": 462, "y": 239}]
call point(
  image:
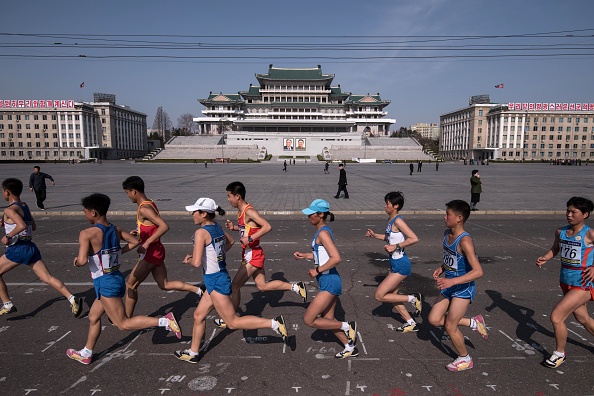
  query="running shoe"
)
[
  {"x": 220, "y": 323},
  {"x": 418, "y": 303},
  {"x": 186, "y": 357},
  {"x": 172, "y": 325},
  {"x": 554, "y": 361},
  {"x": 77, "y": 306},
  {"x": 6, "y": 311},
  {"x": 282, "y": 328},
  {"x": 481, "y": 326},
  {"x": 75, "y": 355},
  {"x": 351, "y": 333},
  {"x": 302, "y": 291},
  {"x": 408, "y": 328},
  {"x": 460, "y": 364},
  {"x": 201, "y": 289},
  {"x": 347, "y": 354}
]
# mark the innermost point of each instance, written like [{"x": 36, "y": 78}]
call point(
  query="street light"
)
[{"x": 223, "y": 120}]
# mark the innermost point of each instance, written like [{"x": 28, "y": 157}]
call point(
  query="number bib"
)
[
  {"x": 571, "y": 252},
  {"x": 108, "y": 260}
]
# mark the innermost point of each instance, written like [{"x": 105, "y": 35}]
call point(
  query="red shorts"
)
[
  {"x": 565, "y": 288},
  {"x": 253, "y": 256},
  {"x": 155, "y": 254}
]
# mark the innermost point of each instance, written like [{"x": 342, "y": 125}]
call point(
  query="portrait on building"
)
[
  {"x": 288, "y": 144},
  {"x": 300, "y": 145}
]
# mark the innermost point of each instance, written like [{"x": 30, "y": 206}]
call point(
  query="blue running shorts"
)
[
  {"x": 23, "y": 252},
  {"x": 401, "y": 266},
  {"x": 464, "y": 290},
  {"x": 110, "y": 285},
  {"x": 330, "y": 283},
  {"x": 219, "y": 282}
]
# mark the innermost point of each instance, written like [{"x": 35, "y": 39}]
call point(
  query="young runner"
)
[
  {"x": 20, "y": 249},
  {"x": 398, "y": 236},
  {"x": 150, "y": 227},
  {"x": 575, "y": 242},
  {"x": 461, "y": 268},
  {"x": 99, "y": 247},
  {"x": 320, "y": 312},
  {"x": 210, "y": 246},
  {"x": 252, "y": 227}
]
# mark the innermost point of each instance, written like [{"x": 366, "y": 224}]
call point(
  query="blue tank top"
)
[
  {"x": 575, "y": 256},
  {"x": 454, "y": 263},
  {"x": 107, "y": 259},
  {"x": 213, "y": 257},
  {"x": 319, "y": 251}
]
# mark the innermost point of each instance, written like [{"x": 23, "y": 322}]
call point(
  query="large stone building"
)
[
  {"x": 68, "y": 130},
  {"x": 519, "y": 131},
  {"x": 426, "y": 130},
  {"x": 294, "y": 110}
]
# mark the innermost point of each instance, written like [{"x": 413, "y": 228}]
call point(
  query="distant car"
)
[{"x": 386, "y": 161}]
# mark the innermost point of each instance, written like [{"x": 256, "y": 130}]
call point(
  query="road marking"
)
[
  {"x": 51, "y": 343},
  {"x": 508, "y": 236}
]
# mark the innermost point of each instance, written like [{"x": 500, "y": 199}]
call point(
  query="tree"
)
[
  {"x": 162, "y": 123},
  {"x": 186, "y": 123}
]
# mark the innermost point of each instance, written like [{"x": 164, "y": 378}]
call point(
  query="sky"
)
[{"x": 426, "y": 56}]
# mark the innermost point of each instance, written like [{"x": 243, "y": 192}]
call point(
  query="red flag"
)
[
  {"x": 82, "y": 84},
  {"x": 496, "y": 86}
]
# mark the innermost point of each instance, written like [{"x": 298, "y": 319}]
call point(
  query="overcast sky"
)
[{"x": 426, "y": 57}]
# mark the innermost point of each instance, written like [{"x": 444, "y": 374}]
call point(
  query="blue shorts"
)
[
  {"x": 331, "y": 283},
  {"x": 219, "y": 282},
  {"x": 23, "y": 252},
  {"x": 464, "y": 290},
  {"x": 110, "y": 285},
  {"x": 401, "y": 266}
]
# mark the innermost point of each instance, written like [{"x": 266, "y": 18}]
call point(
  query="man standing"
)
[
  {"x": 37, "y": 184},
  {"x": 342, "y": 183},
  {"x": 475, "y": 189}
]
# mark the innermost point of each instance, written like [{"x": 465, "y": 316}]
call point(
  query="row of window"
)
[
  {"x": 56, "y": 154},
  {"x": 28, "y": 135},
  {"x": 27, "y": 117},
  {"x": 551, "y": 154}
]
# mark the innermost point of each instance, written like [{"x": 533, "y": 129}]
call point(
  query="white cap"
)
[{"x": 204, "y": 205}]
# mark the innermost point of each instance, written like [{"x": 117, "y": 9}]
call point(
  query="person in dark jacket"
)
[
  {"x": 342, "y": 183},
  {"x": 37, "y": 184},
  {"x": 475, "y": 189}
]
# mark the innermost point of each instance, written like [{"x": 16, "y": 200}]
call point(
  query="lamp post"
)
[{"x": 223, "y": 120}]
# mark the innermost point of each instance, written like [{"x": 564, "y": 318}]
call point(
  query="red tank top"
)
[
  {"x": 247, "y": 230},
  {"x": 145, "y": 231}
]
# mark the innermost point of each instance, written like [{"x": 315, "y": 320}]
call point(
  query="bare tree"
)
[
  {"x": 162, "y": 123},
  {"x": 186, "y": 123}
]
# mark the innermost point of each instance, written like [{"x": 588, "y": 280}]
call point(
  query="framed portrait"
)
[
  {"x": 300, "y": 144},
  {"x": 288, "y": 144}
]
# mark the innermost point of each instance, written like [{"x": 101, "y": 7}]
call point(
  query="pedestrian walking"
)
[
  {"x": 37, "y": 184},
  {"x": 342, "y": 183},
  {"x": 475, "y": 189},
  {"x": 285, "y": 166},
  {"x": 412, "y": 168}
]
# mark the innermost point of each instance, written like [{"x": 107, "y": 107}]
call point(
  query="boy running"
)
[
  {"x": 575, "y": 241},
  {"x": 99, "y": 247},
  {"x": 397, "y": 236},
  {"x": 462, "y": 268},
  {"x": 150, "y": 227},
  {"x": 252, "y": 227},
  {"x": 20, "y": 249}
]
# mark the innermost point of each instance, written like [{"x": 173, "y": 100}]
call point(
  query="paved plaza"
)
[
  {"x": 520, "y": 209},
  {"x": 507, "y": 188}
]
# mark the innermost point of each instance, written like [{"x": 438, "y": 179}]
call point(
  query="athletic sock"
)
[
  {"x": 163, "y": 322},
  {"x": 71, "y": 299},
  {"x": 86, "y": 352},
  {"x": 466, "y": 358},
  {"x": 411, "y": 298},
  {"x": 294, "y": 287},
  {"x": 472, "y": 324},
  {"x": 274, "y": 324},
  {"x": 8, "y": 304},
  {"x": 559, "y": 354},
  {"x": 349, "y": 347},
  {"x": 411, "y": 322},
  {"x": 192, "y": 353},
  {"x": 345, "y": 326}
]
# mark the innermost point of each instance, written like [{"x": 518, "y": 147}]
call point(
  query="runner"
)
[
  {"x": 575, "y": 241},
  {"x": 320, "y": 312},
  {"x": 210, "y": 246},
  {"x": 252, "y": 227},
  {"x": 150, "y": 227},
  {"x": 20, "y": 249},
  {"x": 397, "y": 236}
]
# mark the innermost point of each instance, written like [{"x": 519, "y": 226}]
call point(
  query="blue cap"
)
[{"x": 318, "y": 205}]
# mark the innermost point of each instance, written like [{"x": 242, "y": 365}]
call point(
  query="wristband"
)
[
  {"x": 398, "y": 247},
  {"x": 317, "y": 270},
  {"x": 250, "y": 239}
]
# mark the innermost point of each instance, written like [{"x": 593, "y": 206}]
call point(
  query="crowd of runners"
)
[{"x": 101, "y": 245}]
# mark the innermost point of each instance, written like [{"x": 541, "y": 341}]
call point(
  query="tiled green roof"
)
[
  {"x": 253, "y": 91},
  {"x": 367, "y": 99},
  {"x": 221, "y": 98},
  {"x": 277, "y": 73}
]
